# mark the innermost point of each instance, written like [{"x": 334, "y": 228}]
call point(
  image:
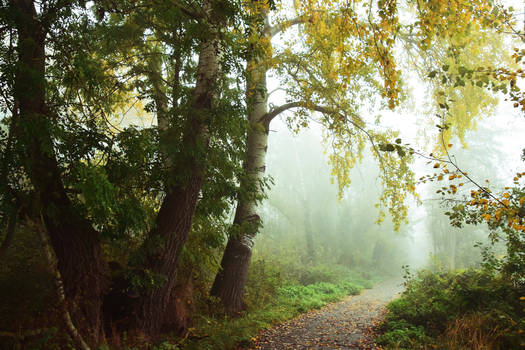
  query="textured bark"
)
[
  {"x": 179, "y": 318},
  {"x": 231, "y": 278},
  {"x": 175, "y": 217},
  {"x": 75, "y": 242}
]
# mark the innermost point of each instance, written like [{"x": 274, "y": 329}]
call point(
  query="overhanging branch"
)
[
  {"x": 279, "y": 27},
  {"x": 268, "y": 117}
]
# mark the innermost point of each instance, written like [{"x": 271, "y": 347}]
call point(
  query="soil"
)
[{"x": 348, "y": 324}]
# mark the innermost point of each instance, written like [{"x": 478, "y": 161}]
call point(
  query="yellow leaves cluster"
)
[{"x": 507, "y": 210}]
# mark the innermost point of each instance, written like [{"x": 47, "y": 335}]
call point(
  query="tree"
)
[
  {"x": 83, "y": 269},
  {"x": 90, "y": 178},
  {"x": 345, "y": 54}
]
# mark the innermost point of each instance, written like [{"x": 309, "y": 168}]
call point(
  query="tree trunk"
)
[
  {"x": 231, "y": 278},
  {"x": 75, "y": 242},
  {"x": 173, "y": 222}
]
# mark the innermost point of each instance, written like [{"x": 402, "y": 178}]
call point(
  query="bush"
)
[
  {"x": 436, "y": 308},
  {"x": 263, "y": 282}
]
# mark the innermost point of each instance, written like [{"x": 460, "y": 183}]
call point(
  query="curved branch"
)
[
  {"x": 268, "y": 117},
  {"x": 279, "y": 27},
  {"x": 483, "y": 189}
]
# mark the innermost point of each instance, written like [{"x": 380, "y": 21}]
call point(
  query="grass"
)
[{"x": 289, "y": 301}]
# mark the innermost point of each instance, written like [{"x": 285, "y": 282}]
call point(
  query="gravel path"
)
[{"x": 347, "y": 324}]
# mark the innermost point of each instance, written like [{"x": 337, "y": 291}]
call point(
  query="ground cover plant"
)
[
  {"x": 285, "y": 302},
  {"x": 271, "y": 297},
  {"x": 472, "y": 309}
]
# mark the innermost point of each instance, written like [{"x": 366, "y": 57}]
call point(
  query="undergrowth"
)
[
  {"x": 272, "y": 295},
  {"x": 288, "y": 302},
  {"x": 472, "y": 309}
]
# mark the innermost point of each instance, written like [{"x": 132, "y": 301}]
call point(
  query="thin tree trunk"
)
[
  {"x": 231, "y": 278},
  {"x": 307, "y": 219},
  {"x": 74, "y": 240},
  {"x": 175, "y": 217},
  {"x": 59, "y": 286},
  {"x": 310, "y": 251}
]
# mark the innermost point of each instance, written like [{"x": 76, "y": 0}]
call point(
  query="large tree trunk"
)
[
  {"x": 75, "y": 242},
  {"x": 175, "y": 217},
  {"x": 231, "y": 278}
]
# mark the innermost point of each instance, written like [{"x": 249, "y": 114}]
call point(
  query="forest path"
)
[{"x": 347, "y": 324}]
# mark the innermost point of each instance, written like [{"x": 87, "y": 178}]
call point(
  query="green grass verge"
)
[{"x": 290, "y": 301}]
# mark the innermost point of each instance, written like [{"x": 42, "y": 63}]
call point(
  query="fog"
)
[{"x": 305, "y": 221}]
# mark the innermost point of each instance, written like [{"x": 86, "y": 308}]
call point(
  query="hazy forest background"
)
[{"x": 183, "y": 174}]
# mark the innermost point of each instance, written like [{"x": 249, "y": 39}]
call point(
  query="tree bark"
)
[
  {"x": 59, "y": 286},
  {"x": 75, "y": 242},
  {"x": 173, "y": 222},
  {"x": 231, "y": 278}
]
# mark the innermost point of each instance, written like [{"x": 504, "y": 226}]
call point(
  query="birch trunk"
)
[{"x": 231, "y": 278}]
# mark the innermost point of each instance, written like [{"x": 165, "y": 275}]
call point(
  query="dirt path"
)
[{"x": 347, "y": 324}]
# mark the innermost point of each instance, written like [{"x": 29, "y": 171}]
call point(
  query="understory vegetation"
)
[
  {"x": 471, "y": 309},
  {"x": 31, "y": 313},
  {"x": 271, "y": 300}
]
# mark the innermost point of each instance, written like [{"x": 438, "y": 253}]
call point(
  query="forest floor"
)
[{"x": 347, "y": 324}]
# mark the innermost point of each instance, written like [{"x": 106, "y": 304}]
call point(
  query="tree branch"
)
[
  {"x": 188, "y": 12},
  {"x": 268, "y": 117},
  {"x": 279, "y": 27}
]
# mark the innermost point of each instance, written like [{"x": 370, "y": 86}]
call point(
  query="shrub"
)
[{"x": 446, "y": 309}]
